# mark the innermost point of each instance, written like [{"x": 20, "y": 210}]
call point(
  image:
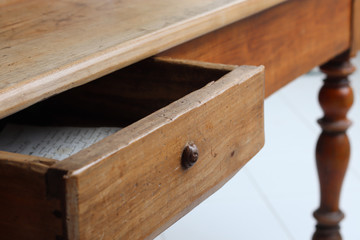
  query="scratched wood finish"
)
[
  {"x": 131, "y": 185},
  {"x": 333, "y": 147},
  {"x": 124, "y": 96},
  {"x": 288, "y": 40},
  {"x": 48, "y": 47},
  {"x": 26, "y": 211}
]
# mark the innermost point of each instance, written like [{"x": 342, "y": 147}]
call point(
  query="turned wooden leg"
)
[{"x": 333, "y": 147}]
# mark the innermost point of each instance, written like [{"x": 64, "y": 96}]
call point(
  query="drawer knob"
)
[{"x": 190, "y": 155}]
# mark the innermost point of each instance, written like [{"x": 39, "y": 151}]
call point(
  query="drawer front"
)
[{"x": 132, "y": 184}]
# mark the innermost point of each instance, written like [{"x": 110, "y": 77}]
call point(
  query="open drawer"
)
[{"x": 138, "y": 181}]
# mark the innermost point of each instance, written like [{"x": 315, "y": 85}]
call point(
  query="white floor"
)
[{"x": 274, "y": 195}]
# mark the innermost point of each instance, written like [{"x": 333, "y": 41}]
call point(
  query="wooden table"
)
[{"x": 137, "y": 182}]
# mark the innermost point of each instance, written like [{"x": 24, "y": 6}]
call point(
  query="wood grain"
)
[
  {"x": 131, "y": 185},
  {"x": 26, "y": 212},
  {"x": 289, "y": 40},
  {"x": 355, "y": 29},
  {"x": 47, "y": 48}
]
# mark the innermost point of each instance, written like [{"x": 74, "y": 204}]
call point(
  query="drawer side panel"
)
[{"x": 26, "y": 211}]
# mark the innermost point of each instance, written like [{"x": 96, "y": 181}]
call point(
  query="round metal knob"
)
[{"x": 190, "y": 155}]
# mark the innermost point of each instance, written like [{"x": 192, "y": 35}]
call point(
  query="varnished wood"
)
[
  {"x": 132, "y": 186},
  {"x": 289, "y": 40},
  {"x": 26, "y": 211},
  {"x": 333, "y": 148},
  {"x": 355, "y": 29},
  {"x": 46, "y": 48}
]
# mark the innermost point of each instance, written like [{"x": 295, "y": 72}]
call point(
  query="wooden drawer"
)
[{"x": 132, "y": 184}]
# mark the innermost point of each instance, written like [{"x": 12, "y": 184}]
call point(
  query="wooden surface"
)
[
  {"x": 132, "y": 186},
  {"x": 355, "y": 30},
  {"x": 59, "y": 50},
  {"x": 289, "y": 40},
  {"x": 26, "y": 212},
  {"x": 333, "y": 147},
  {"x": 48, "y": 47}
]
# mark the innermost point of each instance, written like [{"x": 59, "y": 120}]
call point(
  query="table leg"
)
[{"x": 333, "y": 148}]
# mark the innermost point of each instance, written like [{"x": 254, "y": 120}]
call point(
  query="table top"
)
[{"x": 47, "y": 47}]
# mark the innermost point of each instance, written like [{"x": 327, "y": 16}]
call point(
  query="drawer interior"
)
[{"x": 73, "y": 120}]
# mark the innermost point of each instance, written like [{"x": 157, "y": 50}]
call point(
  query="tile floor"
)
[{"x": 274, "y": 195}]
